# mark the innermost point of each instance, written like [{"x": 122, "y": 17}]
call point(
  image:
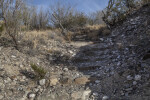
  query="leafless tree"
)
[
  {"x": 43, "y": 19},
  {"x": 12, "y": 16},
  {"x": 95, "y": 18},
  {"x": 61, "y": 14},
  {"x": 27, "y": 12},
  {"x": 34, "y": 19}
]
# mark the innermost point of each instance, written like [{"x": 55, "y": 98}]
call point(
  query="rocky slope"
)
[{"x": 116, "y": 68}]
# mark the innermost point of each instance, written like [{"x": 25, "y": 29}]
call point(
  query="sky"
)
[{"x": 86, "y": 6}]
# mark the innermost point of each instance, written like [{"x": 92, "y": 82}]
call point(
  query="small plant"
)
[{"x": 39, "y": 71}]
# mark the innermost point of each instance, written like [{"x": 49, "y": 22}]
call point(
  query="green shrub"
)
[{"x": 39, "y": 71}]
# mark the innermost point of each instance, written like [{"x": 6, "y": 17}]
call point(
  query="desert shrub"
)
[
  {"x": 5, "y": 41},
  {"x": 41, "y": 40},
  {"x": 93, "y": 35},
  {"x": 51, "y": 35},
  {"x": 69, "y": 36},
  {"x": 60, "y": 39},
  {"x": 95, "y": 18},
  {"x": 53, "y": 51},
  {"x": 1, "y": 27},
  {"x": 66, "y": 17},
  {"x": 12, "y": 17},
  {"x": 106, "y": 31},
  {"x": 39, "y": 71},
  {"x": 103, "y": 31},
  {"x": 57, "y": 36}
]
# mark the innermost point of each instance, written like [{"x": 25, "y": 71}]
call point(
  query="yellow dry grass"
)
[
  {"x": 35, "y": 34},
  {"x": 42, "y": 37},
  {"x": 95, "y": 27}
]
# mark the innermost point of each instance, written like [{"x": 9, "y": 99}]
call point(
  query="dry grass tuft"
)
[
  {"x": 104, "y": 31},
  {"x": 41, "y": 37},
  {"x": 94, "y": 27}
]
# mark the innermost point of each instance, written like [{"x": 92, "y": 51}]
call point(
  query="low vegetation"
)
[{"x": 39, "y": 71}]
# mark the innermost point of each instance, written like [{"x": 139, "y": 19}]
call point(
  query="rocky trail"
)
[{"x": 116, "y": 67}]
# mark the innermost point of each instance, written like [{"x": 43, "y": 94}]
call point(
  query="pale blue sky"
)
[{"x": 86, "y": 6}]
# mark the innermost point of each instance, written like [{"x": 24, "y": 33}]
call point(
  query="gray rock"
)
[
  {"x": 134, "y": 83},
  {"x": 1, "y": 48},
  {"x": 32, "y": 95},
  {"x": 86, "y": 94},
  {"x": 95, "y": 94},
  {"x": 71, "y": 52},
  {"x": 13, "y": 56},
  {"x": 65, "y": 69},
  {"x": 97, "y": 81},
  {"x": 8, "y": 80},
  {"x": 129, "y": 77},
  {"x": 82, "y": 95},
  {"x": 1, "y": 97},
  {"x": 42, "y": 82},
  {"x": 101, "y": 39},
  {"x": 137, "y": 77},
  {"x": 129, "y": 89},
  {"x": 53, "y": 81},
  {"x": 105, "y": 98}
]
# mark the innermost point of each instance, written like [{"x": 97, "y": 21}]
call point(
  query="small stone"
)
[
  {"x": 126, "y": 94},
  {"x": 13, "y": 56},
  {"x": 105, "y": 98},
  {"x": 1, "y": 97},
  {"x": 90, "y": 84},
  {"x": 101, "y": 39},
  {"x": 122, "y": 93},
  {"x": 129, "y": 89},
  {"x": 82, "y": 95},
  {"x": 53, "y": 81},
  {"x": 36, "y": 90},
  {"x": 23, "y": 77},
  {"x": 20, "y": 89},
  {"x": 134, "y": 83},
  {"x": 32, "y": 95},
  {"x": 97, "y": 81},
  {"x": 129, "y": 77},
  {"x": 118, "y": 64},
  {"x": 98, "y": 75},
  {"x": 65, "y": 69},
  {"x": 42, "y": 81},
  {"x": 8, "y": 80},
  {"x": 86, "y": 94},
  {"x": 71, "y": 52},
  {"x": 120, "y": 45},
  {"x": 76, "y": 95},
  {"x": 95, "y": 94},
  {"x": 137, "y": 77},
  {"x": 82, "y": 80},
  {"x": 0, "y": 48},
  {"x": 21, "y": 66}
]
